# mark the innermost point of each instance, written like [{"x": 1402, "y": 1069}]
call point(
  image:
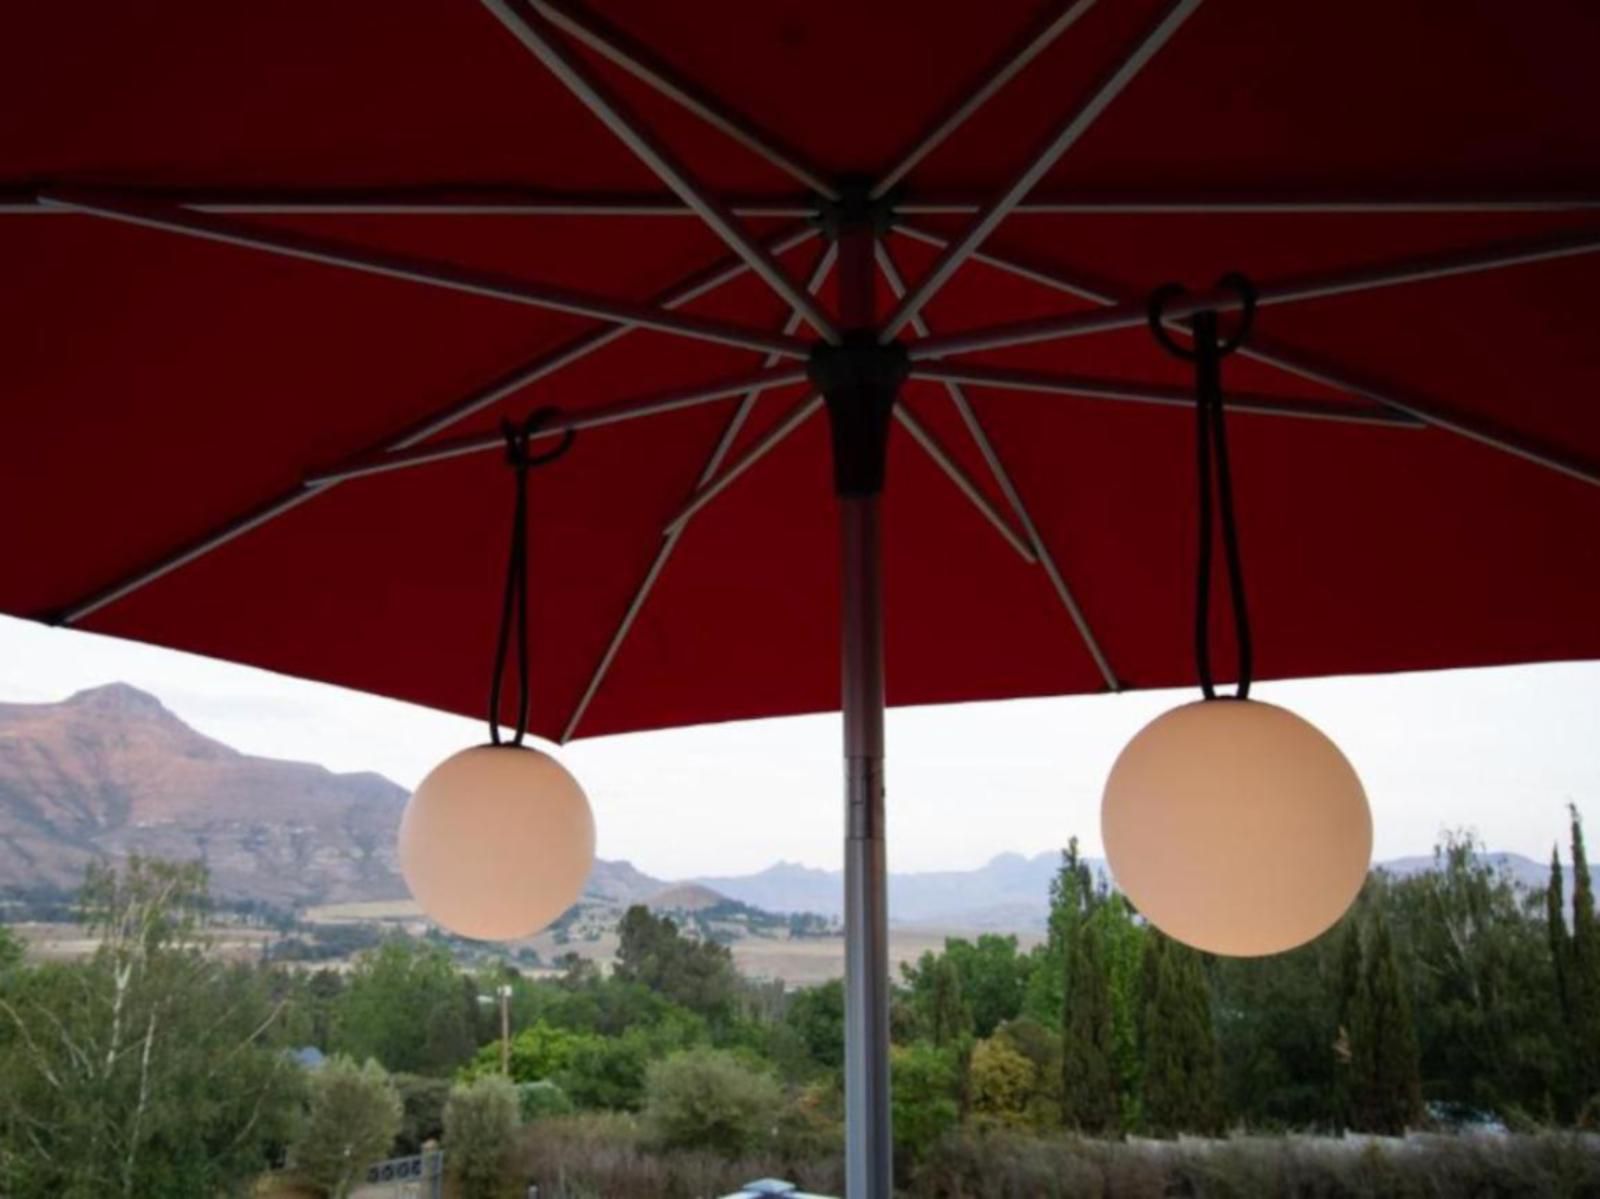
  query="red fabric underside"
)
[{"x": 156, "y": 387}]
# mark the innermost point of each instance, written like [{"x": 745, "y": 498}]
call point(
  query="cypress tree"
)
[
  {"x": 1182, "y": 1070},
  {"x": 1349, "y": 1016},
  {"x": 1089, "y": 1086},
  {"x": 1088, "y": 1077},
  {"x": 1555, "y": 914},
  {"x": 1583, "y": 974},
  {"x": 1390, "y": 1093}
]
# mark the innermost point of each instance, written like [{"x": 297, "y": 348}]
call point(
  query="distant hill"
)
[
  {"x": 111, "y": 771},
  {"x": 1009, "y": 893}
]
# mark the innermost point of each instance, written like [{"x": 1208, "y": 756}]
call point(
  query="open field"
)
[{"x": 799, "y": 962}]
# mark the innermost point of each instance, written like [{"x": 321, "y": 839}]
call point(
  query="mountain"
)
[
  {"x": 1009, "y": 893},
  {"x": 110, "y": 771}
]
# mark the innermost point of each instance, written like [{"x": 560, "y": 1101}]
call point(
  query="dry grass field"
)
[{"x": 798, "y": 962}]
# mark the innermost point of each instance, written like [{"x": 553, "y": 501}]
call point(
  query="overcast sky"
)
[{"x": 1500, "y": 751}]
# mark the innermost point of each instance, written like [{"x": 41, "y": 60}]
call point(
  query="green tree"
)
[
  {"x": 699, "y": 975},
  {"x": 709, "y": 1099},
  {"x": 406, "y": 1005},
  {"x": 354, "y": 1117},
  {"x": 1182, "y": 1091},
  {"x": 150, "y": 1069},
  {"x": 816, "y": 1014},
  {"x": 1003, "y": 1082},
  {"x": 10, "y": 950},
  {"x": 924, "y": 1094},
  {"x": 607, "y": 1073},
  {"x": 1078, "y": 935},
  {"x": 537, "y": 1052},
  {"x": 994, "y": 978},
  {"x": 1350, "y": 1049},
  {"x": 1575, "y": 958},
  {"x": 480, "y": 1128},
  {"x": 1388, "y": 1097},
  {"x": 1475, "y": 961}
]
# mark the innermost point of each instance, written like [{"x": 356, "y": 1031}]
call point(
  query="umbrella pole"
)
[
  {"x": 859, "y": 379},
  {"x": 868, "y": 1145}
]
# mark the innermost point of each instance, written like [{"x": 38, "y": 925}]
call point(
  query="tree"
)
[
  {"x": 697, "y": 974},
  {"x": 816, "y": 1014},
  {"x": 150, "y": 1069},
  {"x": 10, "y": 950},
  {"x": 1350, "y": 1049},
  {"x": 1388, "y": 1098},
  {"x": 1475, "y": 963},
  {"x": 994, "y": 978},
  {"x": 354, "y": 1117},
  {"x": 405, "y": 1005},
  {"x": 1003, "y": 1082},
  {"x": 480, "y": 1128},
  {"x": 709, "y": 1099},
  {"x": 540, "y": 1051},
  {"x": 1575, "y": 958},
  {"x": 1182, "y": 1091},
  {"x": 924, "y": 1091},
  {"x": 1089, "y": 1099}
]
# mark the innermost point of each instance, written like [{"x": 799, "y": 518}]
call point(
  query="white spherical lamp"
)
[
  {"x": 497, "y": 842},
  {"x": 1236, "y": 827}
]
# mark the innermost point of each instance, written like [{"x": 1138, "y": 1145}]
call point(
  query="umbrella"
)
[{"x": 273, "y": 275}]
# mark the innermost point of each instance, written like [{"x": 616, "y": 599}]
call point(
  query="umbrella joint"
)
[
  {"x": 856, "y": 209},
  {"x": 860, "y": 380}
]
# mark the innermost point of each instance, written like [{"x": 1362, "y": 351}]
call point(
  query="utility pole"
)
[{"x": 504, "y": 991}]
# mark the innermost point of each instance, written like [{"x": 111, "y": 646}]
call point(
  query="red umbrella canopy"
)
[{"x": 259, "y": 263}]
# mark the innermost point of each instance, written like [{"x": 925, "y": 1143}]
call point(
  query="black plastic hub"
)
[
  {"x": 856, "y": 207},
  {"x": 860, "y": 380}
]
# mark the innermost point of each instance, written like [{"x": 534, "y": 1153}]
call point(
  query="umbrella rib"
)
[
  {"x": 633, "y": 58},
  {"x": 1156, "y": 394},
  {"x": 1067, "y": 205},
  {"x": 506, "y": 202},
  {"x": 1016, "y": 59},
  {"x": 1296, "y": 363},
  {"x": 795, "y": 417},
  {"x": 589, "y": 418},
  {"x": 991, "y": 457},
  {"x": 1292, "y": 291},
  {"x": 1065, "y": 137},
  {"x": 964, "y": 482},
  {"x": 672, "y": 533},
  {"x": 684, "y": 292},
  {"x": 655, "y": 155},
  {"x": 336, "y": 254}
]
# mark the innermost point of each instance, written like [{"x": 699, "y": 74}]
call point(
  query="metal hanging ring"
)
[
  {"x": 1233, "y": 281},
  {"x": 518, "y": 434}
]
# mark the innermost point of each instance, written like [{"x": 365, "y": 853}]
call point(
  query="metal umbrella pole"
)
[{"x": 860, "y": 379}]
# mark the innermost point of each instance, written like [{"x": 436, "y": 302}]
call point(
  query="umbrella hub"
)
[{"x": 860, "y": 380}]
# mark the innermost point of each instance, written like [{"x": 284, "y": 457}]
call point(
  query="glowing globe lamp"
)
[
  {"x": 497, "y": 842},
  {"x": 1236, "y": 827}
]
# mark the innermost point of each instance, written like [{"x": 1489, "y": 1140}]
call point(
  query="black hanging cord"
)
[
  {"x": 1211, "y": 443},
  {"x": 515, "y": 603}
]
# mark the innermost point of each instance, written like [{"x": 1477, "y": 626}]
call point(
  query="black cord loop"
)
[
  {"x": 1207, "y": 353},
  {"x": 515, "y": 601}
]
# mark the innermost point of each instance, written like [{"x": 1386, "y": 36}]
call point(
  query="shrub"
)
[
  {"x": 422, "y": 1101},
  {"x": 541, "y": 1099},
  {"x": 708, "y": 1099},
  {"x": 480, "y": 1128},
  {"x": 354, "y": 1115}
]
